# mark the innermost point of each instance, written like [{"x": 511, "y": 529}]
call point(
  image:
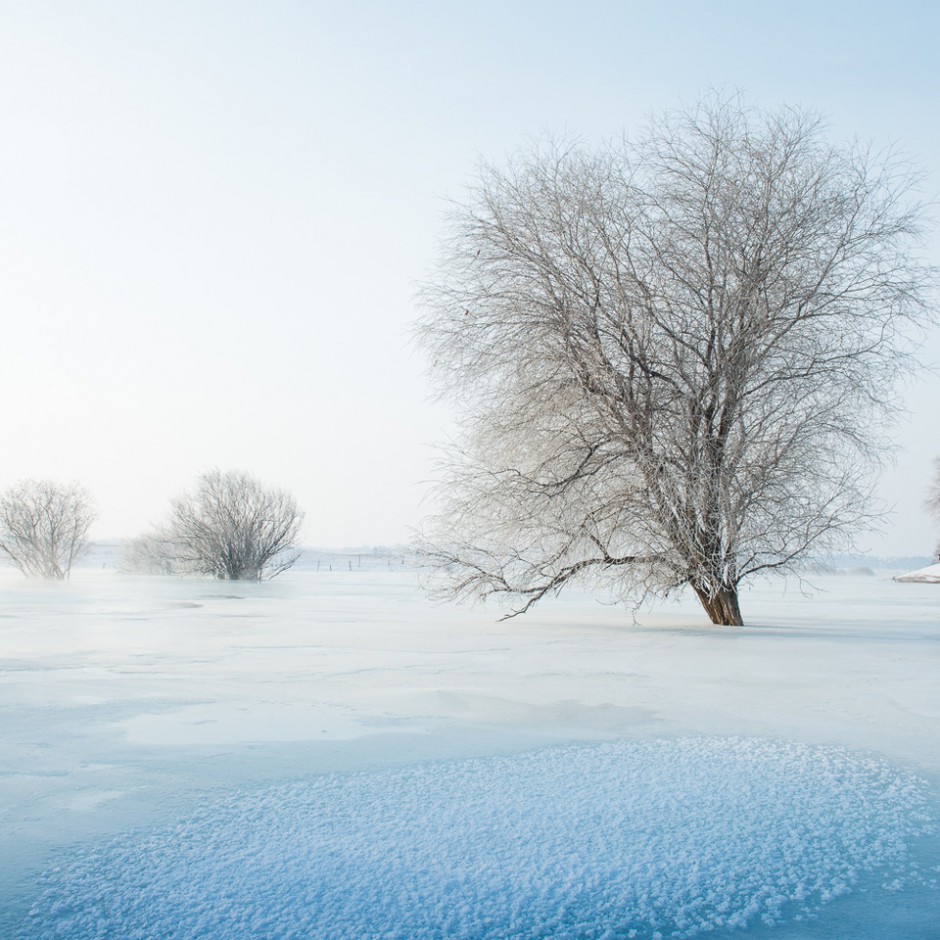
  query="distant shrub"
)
[
  {"x": 44, "y": 526},
  {"x": 230, "y": 527}
]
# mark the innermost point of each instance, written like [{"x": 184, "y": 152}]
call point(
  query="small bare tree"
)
[
  {"x": 44, "y": 527},
  {"x": 675, "y": 357},
  {"x": 231, "y": 527}
]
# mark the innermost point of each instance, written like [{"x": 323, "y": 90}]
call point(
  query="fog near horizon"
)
[{"x": 216, "y": 220}]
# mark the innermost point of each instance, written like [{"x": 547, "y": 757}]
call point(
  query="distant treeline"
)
[{"x": 109, "y": 554}]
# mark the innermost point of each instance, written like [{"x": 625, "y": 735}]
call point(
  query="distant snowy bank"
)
[
  {"x": 109, "y": 554},
  {"x": 928, "y": 575},
  {"x": 645, "y": 839}
]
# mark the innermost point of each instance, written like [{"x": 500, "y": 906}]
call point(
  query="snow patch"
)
[
  {"x": 928, "y": 575},
  {"x": 663, "y": 838}
]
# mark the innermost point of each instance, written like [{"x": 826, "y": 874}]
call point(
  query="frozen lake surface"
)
[{"x": 330, "y": 755}]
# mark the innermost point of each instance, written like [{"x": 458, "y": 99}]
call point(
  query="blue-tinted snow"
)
[{"x": 647, "y": 839}]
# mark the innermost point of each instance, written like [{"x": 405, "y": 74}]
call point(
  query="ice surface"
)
[
  {"x": 634, "y": 839},
  {"x": 132, "y": 708}
]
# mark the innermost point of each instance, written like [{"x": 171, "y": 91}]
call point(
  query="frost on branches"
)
[{"x": 674, "y": 357}]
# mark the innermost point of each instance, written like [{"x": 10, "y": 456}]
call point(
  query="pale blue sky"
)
[{"x": 214, "y": 215}]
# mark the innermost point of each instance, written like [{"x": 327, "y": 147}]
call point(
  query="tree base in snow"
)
[{"x": 721, "y": 607}]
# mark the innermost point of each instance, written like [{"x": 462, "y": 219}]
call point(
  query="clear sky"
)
[{"x": 213, "y": 215}]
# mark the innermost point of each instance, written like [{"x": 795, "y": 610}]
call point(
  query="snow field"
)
[
  {"x": 634, "y": 839},
  {"x": 127, "y": 703}
]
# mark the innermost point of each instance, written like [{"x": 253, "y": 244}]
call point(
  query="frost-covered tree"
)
[
  {"x": 230, "y": 527},
  {"x": 44, "y": 526},
  {"x": 675, "y": 356}
]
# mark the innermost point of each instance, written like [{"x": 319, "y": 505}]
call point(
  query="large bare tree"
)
[
  {"x": 230, "y": 527},
  {"x": 675, "y": 356},
  {"x": 44, "y": 526}
]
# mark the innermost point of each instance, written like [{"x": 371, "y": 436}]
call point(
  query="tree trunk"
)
[{"x": 721, "y": 607}]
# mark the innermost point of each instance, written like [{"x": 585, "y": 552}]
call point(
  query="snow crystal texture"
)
[{"x": 648, "y": 839}]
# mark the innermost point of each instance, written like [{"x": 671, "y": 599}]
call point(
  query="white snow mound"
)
[
  {"x": 928, "y": 575},
  {"x": 647, "y": 839}
]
